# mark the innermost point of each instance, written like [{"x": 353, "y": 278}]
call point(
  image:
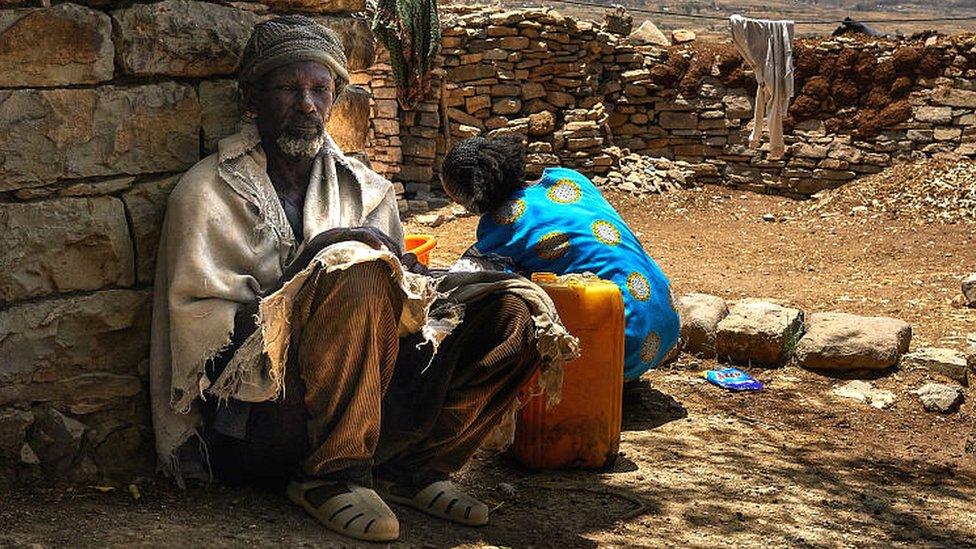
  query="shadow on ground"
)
[{"x": 686, "y": 477}]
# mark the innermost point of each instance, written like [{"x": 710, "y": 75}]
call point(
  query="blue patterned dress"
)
[{"x": 564, "y": 225}]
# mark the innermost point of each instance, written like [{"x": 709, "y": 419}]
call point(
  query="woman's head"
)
[{"x": 482, "y": 173}]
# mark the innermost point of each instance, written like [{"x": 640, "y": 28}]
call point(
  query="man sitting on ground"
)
[{"x": 282, "y": 293}]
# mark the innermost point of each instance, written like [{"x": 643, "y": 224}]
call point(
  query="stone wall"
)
[
  {"x": 97, "y": 124},
  {"x": 102, "y": 106},
  {"x": 580, "y": 93}
]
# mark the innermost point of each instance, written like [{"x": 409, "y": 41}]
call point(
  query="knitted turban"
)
[{"x": 290, "y": 39}]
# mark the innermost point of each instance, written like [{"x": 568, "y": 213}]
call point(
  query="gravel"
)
[{"x": 927, "y": 191}]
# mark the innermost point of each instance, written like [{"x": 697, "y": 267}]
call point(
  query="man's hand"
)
[
  {"x": 410, "y": 264},
  {"x": 371, "y": 236}
]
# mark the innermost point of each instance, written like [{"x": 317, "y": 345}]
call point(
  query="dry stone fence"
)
[
  {"x": 103, "y": 104},
  {"x": 584, "y": 96}
]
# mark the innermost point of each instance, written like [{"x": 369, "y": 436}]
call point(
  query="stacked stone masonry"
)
[
  {"x": 102, "y": 106},
  {"x": 97, "y": 125},
  {"x": 583, "y": 97}
]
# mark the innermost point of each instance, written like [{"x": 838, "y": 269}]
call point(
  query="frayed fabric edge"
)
[
  {"x": 197, "y": 383},
  {"x": 172, "y": 467},
  {"x": 556, "y": 347},
  {"x": 274, "y": 311}
]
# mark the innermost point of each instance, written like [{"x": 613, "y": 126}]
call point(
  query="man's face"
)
[{"x": 293, "y": 104}]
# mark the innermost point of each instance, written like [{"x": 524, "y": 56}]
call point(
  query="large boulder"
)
[
  {"x": 181, "y": 38},
  {"x": 61, "y": 45},
  {"x": 64, "y": 245},
  {"x": 76, "y": 133},
  {"x": 758, "y": 332},
  {"x": 841, "y": 341},
  {"x": 947, "y": 362},
  {"x": 358, "y": 41},
  {"x": 648, "y": 34},
  {"x": 700, "y": 315}
]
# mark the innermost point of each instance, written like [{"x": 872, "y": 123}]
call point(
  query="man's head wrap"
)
[{"x": 290, "y": 39}]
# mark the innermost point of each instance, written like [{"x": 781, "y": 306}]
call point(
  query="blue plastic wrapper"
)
[{"x": 732, "y": 379}]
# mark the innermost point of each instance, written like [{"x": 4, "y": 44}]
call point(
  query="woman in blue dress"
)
[{"x": 561, "y": 224}]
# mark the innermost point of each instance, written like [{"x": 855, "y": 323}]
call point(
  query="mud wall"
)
[
  {"x": 102, "y": 106},
  {"x": 580, "y": 93}
]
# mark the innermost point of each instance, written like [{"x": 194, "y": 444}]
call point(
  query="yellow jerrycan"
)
[{"x": 583, "y": 430}]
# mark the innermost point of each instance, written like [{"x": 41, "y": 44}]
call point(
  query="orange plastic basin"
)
[
  {"x": 583, "y": 430},
  {"x": 420, "y": 245}
]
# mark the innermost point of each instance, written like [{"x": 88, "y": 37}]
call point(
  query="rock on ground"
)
[
  {"x": 700, "y": 315},
  {"x": 969, "y": 290},
  {"x": 681, "y": 36},
  {"x": 939, "y": 397},
  {"x": 948, "y": 362},
  {"x": 862, "y": 391},
  {"x": 758, "y": 332},
  {"x": 56, "y": 439},
  {"x": 14, "y": 425},
  {"x": 840, "y": 341}
]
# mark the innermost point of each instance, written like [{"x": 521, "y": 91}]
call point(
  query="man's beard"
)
[{"x": 301, "y": 142}]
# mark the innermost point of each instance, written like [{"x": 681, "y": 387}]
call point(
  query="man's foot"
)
[
  {"x": 441, "y": 499},
  {"x": 346, "y": 508}
]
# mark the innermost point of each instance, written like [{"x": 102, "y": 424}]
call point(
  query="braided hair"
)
[{"x": 482, "y": 173}]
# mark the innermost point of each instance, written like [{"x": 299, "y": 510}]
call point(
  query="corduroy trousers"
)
[{"x": 361, "y": 402}]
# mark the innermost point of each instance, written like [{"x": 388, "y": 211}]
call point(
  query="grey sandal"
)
[
  {"x": 444, "y": 500},
  {"x": 358, "y": 513}
]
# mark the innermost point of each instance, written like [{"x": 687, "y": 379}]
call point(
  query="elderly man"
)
[{"x": 292, "y": 337}]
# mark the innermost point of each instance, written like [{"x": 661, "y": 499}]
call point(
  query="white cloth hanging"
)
[{"x": 767, "y": 47}]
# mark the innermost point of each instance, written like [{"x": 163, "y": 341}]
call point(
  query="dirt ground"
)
[{"x": 793, "y": 465}]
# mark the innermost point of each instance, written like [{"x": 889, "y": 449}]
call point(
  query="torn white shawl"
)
[
  {"x": 767, "y": 47},
  {"x": 225, "y": 240}
]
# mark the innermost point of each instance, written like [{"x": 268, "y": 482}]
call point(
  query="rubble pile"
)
[
  {"x": 928, "y": 191},
  {"x": 639, "y": 175}
]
